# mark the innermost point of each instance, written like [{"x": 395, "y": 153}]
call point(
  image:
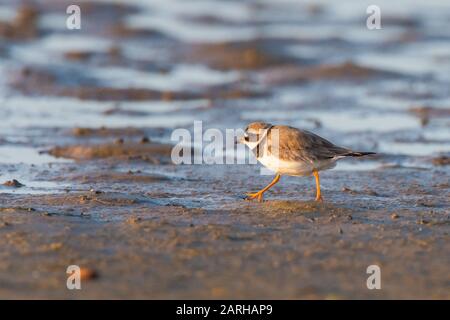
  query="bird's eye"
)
[{"x": 247, "y": 138}]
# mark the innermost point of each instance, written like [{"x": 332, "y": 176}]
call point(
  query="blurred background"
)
[
  {"x": 162, "y": 64},
  {"x": 86, "y": 118}
]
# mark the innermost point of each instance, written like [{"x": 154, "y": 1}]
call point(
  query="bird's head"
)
[{"x": 254, "y": 133}]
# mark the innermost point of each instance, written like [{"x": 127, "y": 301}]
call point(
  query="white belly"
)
[{"x": 294, "y": 168}]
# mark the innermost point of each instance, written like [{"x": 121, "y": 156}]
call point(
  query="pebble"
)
[
  {"x": 13, "y": 183},
  {"x": 423, "y": 221},
  {"x": 88, "y": 274}
]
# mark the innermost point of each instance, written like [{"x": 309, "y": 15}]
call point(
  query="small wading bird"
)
[{"x": 293, "y": 152}]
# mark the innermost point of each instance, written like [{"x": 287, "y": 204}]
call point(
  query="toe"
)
[{"x": 250, "y": 196}]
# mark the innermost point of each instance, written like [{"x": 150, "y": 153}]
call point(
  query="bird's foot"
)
[{"x": 256, "y": 195}]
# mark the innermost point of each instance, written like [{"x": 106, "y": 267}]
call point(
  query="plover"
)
[{"x": 293, "y": 152}]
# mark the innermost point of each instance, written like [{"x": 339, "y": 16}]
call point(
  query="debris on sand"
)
[
  {"x": 441, "y": 161},
  {"x": 133, "y": 220},
  {"x": 78, "y": 55},
  {"x": 119, "y": 141},
  {"x": 394, "y": 216},
  {"x": 4, "y": 224},
  {"x": 423, "y": 221},
  {"x": 348, "y": 190},
  {"x": 88, "y": 274},
  {"x": 145, "y": 140},
  {"x": 13, "y": 183}
]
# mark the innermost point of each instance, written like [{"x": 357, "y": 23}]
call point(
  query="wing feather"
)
[{"x": 302, "y": 145}]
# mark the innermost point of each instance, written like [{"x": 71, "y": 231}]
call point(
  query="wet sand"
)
[
  {"x": 151, "y": 246},
  {"x": 86, "y": 176}
]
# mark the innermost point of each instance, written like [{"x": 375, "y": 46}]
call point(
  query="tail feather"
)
[{"x": 357, "y": 154}]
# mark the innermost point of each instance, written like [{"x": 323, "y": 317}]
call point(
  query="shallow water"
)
[
  {"x": 342, "y": 108},
  {"x": 25, "y": 155},
  {"x": 39, "y": 106},
  {"x": 372, "y": 115}
]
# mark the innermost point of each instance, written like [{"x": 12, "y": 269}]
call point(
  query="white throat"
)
[{"x": 253, "y": 144}]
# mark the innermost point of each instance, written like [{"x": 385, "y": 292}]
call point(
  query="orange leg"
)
[
  {"x": 318, "y": 195},
  {"x": 259, "y": 195}
]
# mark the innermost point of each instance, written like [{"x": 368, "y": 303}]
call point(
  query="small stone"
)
[
  {"x": 119, "y": 141},
  {"x": 145, "y": 140},
  {"x": 308, "y": 253},
  {"x": 348, "y": 190},
  {"x": 13, "y": 183},
  {"x": 56, "y": 246},
  {"x": 218, "y": 292},
  {"x": 441, "y": 161},
  {"x": 394, "y": 216},
  {"x": 133, "y": 220},
  {"x": 88, "y": 274}
]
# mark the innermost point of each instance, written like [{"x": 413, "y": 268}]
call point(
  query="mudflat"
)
[{"x": 87, "y": 179}]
